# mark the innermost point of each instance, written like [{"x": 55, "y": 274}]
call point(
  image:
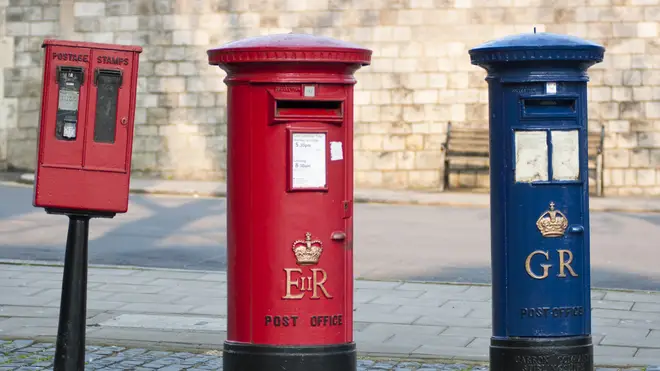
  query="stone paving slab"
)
[
  {"x": 186, "y": 311},
  {"x": 25, "y": 354},
  {"x": 458, "y": 199}
]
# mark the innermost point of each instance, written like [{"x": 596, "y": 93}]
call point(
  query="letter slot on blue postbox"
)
[{"x": 539, "y": 200}]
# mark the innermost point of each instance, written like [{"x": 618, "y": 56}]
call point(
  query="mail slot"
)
[
  {"x": 547, "y": 107},
  {"x": 307, "y": 108}
]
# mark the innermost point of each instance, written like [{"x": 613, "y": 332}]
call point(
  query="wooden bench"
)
[
  {"x": 467, "y": 162},
  {"x": 466, "y": 158}
]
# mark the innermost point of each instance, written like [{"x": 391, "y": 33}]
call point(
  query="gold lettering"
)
[
  {"x": 546, "y": 267},
  {"x": 319, "y": 284},
  {"x": 565, "y": 264},
  {"x": 306, "y": 283},
  {"x": 291, "y": 283}
]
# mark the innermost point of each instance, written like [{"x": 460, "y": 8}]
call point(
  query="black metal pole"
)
[{"x": 70, "y": 347}]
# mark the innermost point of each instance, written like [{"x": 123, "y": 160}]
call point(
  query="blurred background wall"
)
[{"x": 420, "y": 79}]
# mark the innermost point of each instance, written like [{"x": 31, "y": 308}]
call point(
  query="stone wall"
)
[
  {"x": 420, "y": 78},
  {"x": 8, "y": 104},
  {"x": 25, "y": 24}
]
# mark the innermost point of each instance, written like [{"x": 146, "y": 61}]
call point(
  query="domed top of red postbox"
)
[
  {"x": 537, "y": 47},
  {"x": 289, "y": 48}
]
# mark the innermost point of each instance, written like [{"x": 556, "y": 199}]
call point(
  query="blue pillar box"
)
[{"x": 539, "y": 200}]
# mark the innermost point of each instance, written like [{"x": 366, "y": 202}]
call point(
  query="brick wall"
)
[{"x": 420, "y": 78}]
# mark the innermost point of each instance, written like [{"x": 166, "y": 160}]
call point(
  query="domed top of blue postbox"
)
[
  {"x": 289, "y": 48},
  {"x": 531, "y": 47}
]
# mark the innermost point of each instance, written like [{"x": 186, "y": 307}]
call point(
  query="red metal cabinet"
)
[{"x": 86, "y": 127}]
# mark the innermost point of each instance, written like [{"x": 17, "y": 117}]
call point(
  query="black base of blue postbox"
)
[
  {"x": 253, "y": 357},
  {"x": 541, "y": 354}
]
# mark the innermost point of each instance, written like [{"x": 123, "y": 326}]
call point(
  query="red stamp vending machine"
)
[
  {"x": 86, "y": 130},
  {"x": 83, "y": 161}
]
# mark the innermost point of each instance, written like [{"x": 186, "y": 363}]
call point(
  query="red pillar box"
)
[{"x": 290, "y": 202}]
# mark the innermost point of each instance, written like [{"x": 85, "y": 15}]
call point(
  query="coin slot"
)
[{"x": 69, "y": 79}]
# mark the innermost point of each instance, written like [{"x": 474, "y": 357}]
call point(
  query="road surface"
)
[{"x": 391, "y": 241}]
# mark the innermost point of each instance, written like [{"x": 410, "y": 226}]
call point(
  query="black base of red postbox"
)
[
  {"x": 523, "y": 354},
  {"x": 253, "y": 357}
]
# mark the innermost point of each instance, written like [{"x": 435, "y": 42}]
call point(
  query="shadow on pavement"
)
[
  {"x": 192, "y": 224},
  {"x": 173, "y": 232}
]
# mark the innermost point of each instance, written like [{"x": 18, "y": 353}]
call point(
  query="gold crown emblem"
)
[
  {"x": 552, "y": 223},
  {"x": 308, "y": 252}
]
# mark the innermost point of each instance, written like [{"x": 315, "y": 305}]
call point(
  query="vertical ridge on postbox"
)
[
  {"x": 86, "y": 126},
  {"x": 289, "y": 183},
  {"x": 539, "y": 199}
]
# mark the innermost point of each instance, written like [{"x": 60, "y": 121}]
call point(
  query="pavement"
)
[
  {"x": 451, "y": 244},
  {"x": 27, "y": 355},
  {"x": 172, "y": 319},
  {"x": 458, "y": 199},
  {"x": 185, "y": 311}
]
